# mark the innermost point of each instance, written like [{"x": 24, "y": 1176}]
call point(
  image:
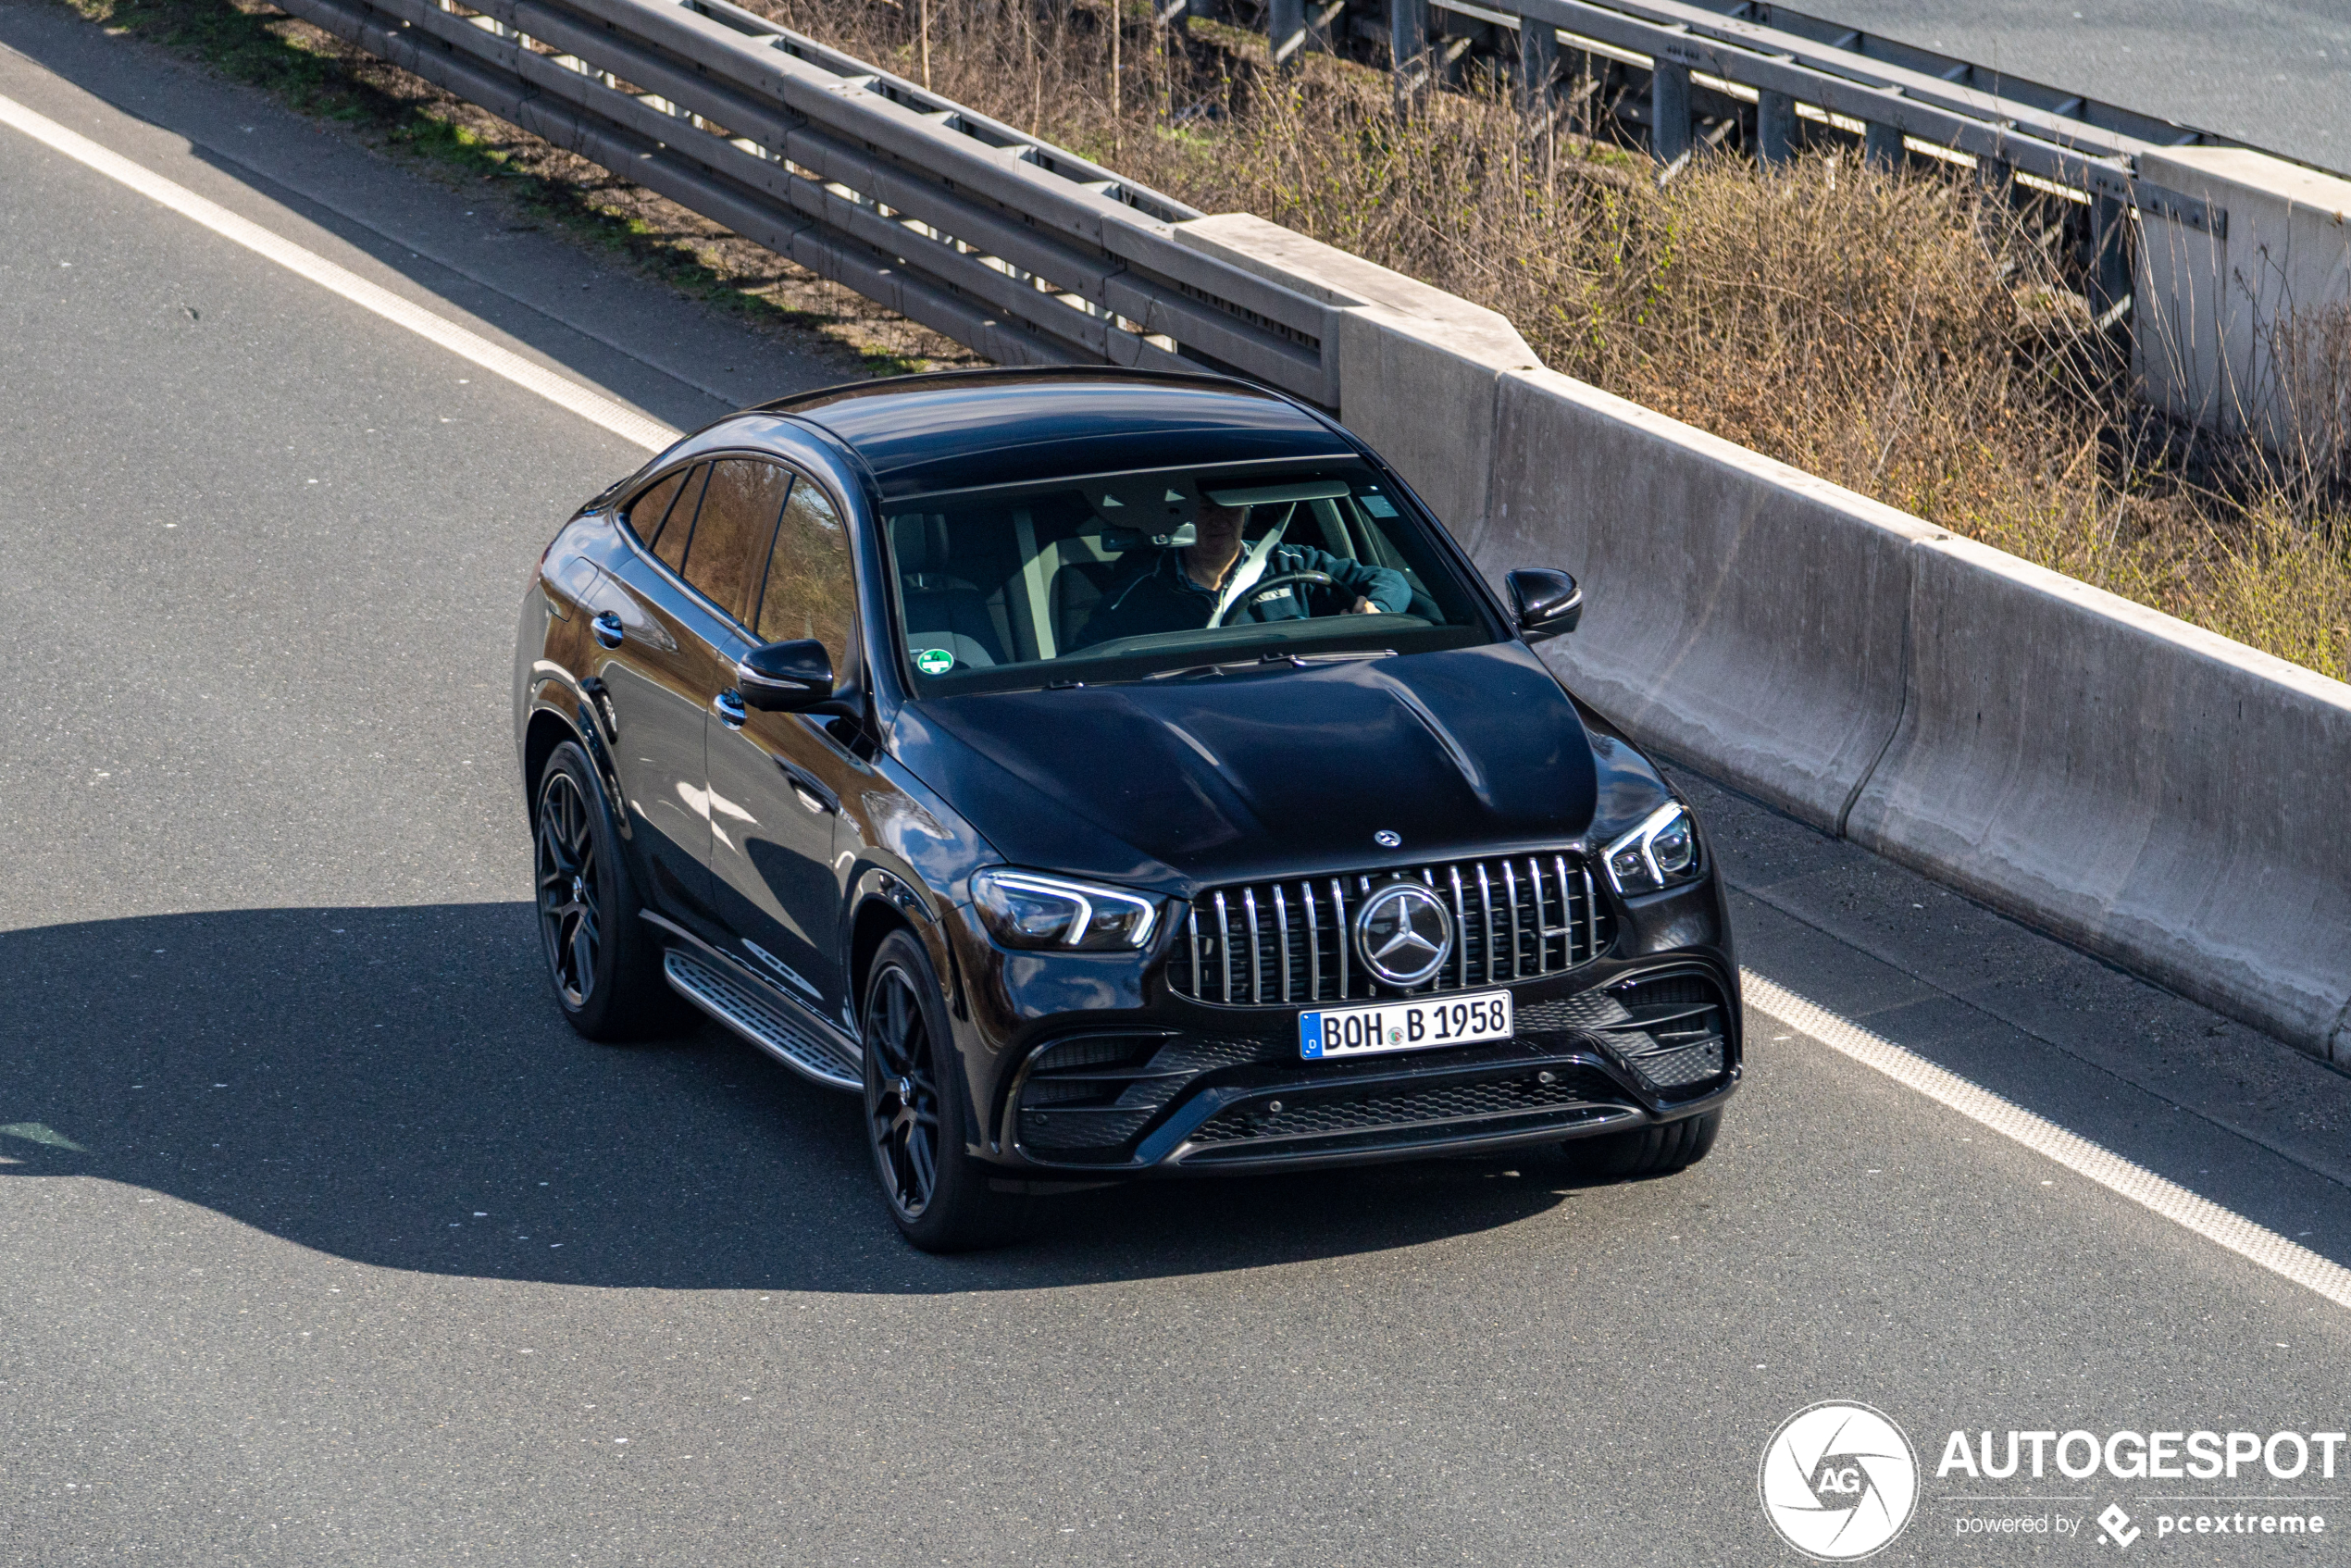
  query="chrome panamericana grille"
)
[{"x": 1289, "y": 943}]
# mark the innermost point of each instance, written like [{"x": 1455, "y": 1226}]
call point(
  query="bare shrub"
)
[{"x": 2313, "y": 362}]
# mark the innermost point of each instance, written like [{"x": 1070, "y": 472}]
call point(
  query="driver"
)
[{"x": 1186, "y": 587}]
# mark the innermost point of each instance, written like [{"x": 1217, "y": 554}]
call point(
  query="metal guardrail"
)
[
  {"x": 1010, "y": 246},
  {"x": 1679, "y": 75},
  {"x": 1741, "y": 54},
  {"x": 1030, "y": 254}
]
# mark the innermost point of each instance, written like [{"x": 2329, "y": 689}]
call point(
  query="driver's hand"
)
[{"x": 1362, "y": 607}]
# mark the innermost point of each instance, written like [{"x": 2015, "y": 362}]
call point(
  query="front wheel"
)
[
  {"x": 606, "y": 968},
  {"x": 938, "y": 1193},
  {"x": 1659, "y": 1149}
]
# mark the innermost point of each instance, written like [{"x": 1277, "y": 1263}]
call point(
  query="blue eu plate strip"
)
[{"x": 1309, "y": 1035}]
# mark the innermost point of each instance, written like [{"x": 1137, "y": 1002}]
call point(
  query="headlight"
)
[
  {"x": 1660, "y": 852},
  {"x": 1022, "y": 909}
]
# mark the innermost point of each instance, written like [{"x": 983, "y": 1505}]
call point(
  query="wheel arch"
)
[
  {"x": 875, "y": 919},
  {"x": 546, "y": 731}
]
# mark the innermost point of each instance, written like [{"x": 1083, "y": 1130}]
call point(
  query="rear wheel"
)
[
  {"x": 1659, "y": 1149},
  {"x": 914, "y": 1116},
  {"x": 605, "y": 967}
]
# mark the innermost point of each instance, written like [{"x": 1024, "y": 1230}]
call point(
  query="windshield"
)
[{"x": 1122, "y": 577}]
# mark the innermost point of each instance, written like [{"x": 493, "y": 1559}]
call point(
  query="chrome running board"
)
[{"x": 760, "y": 1020}]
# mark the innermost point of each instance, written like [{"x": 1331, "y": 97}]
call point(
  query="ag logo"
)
[{"x": 1838, "y": 1481}]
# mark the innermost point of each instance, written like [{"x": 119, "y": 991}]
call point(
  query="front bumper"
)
[{"x": 1155, "y": 1084}]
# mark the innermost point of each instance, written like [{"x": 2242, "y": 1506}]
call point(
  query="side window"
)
[
  {"x": 671, "y": 543},
  {"x": 738, "y": 518},
  {"x": 810, "y": 583},
  {"x": 645, "y": 514}
]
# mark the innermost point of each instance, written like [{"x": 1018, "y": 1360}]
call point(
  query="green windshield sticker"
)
[{"x": 933, "y": 661}]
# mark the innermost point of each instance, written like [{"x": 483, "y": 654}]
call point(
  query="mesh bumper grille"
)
[
  {"x": 1670, "y": 1029},
  {"x": 1090, "y": 1096},
  {"x": 1411, "y": 1108}
]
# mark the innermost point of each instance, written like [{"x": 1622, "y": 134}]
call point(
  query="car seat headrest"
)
[
  {"x": 1136, "y": 507},
  {"x": 919, "y": 541}
]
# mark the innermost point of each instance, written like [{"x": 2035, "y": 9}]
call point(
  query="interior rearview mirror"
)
[
  {"x": 1547, "y": 601},
  {"x": 786, "y": 677}
]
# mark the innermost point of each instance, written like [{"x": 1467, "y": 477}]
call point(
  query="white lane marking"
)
[
  {"x": 595, "y": 408},
  {"x": 2223, "y": 1226}
]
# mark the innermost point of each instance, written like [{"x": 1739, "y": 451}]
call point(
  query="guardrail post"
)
[
  {"x": 1774, "y": 127},
  {"x": 1325, "y": 25},
  {"x": 1669, "y": 111},
  {"x": 1882, "y": 147},
  {"x": 1582, "y": 116},
  {"x": 1285, "y": 31},
  {"x": 1408, "y": 49},
  {"x": 2109, "y": 258},
  {"x": 1538, "y": 66}
]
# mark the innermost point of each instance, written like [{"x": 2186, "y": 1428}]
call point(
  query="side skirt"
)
[{"x": 775, "y": 1022}]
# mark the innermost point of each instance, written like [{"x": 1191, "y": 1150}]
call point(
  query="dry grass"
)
[{"x": 1908, "y": 335}]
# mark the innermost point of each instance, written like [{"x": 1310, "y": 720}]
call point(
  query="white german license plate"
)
[{"x": 1404, "y": 1026}]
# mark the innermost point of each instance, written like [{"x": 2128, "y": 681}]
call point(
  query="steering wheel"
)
[{"x": 1262, "y": 588}]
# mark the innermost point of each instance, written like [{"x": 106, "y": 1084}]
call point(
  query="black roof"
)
[{"x": 964, "y": 429}]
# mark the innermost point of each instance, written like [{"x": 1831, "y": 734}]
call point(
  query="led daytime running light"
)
[
  {"x": 1086, "y": 898},
  {"x": 1642, "y": 841}
]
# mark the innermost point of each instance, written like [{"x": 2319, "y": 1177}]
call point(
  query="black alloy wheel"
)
[
  {"x": 941, "y": 1198},
  {"x": 570, "y": 892},
  {"x": 603, "y": 963},
  {"x": 902, "y": 1097}
]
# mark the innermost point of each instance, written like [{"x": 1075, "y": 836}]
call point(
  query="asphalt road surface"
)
[
  {"x": 2276, "y": 73},
  {"x": 325, "y": 1242}
]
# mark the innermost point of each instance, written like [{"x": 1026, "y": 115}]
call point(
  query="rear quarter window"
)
[{"x": 646, "y": 513}]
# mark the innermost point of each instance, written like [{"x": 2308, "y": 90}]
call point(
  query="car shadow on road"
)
[{"x": 394, "y": 1086}]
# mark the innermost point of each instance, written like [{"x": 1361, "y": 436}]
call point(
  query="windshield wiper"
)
[{"x": 1300, "y": 661}]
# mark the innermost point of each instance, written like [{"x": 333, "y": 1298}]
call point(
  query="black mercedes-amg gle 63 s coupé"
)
[{"x": 1106, "y": 775}]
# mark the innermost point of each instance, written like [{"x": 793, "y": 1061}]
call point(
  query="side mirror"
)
[
  {"x": 1548, "y": 602},
  {"x": 786, "y": 677}
]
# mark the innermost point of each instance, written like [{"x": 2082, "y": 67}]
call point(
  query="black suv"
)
[{"x": 1106, "y": 774}]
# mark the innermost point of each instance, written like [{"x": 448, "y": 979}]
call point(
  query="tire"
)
[
  {"x": 603, "y": 963},
  {"x": 1659, "y": 1149},
  {"x": 915, "y": 1112}
]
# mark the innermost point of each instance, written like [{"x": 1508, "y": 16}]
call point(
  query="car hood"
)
[{"x": 1279, "y": 771}]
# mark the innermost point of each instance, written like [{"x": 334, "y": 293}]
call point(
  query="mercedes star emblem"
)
[{"x": 1403, "y": 933}]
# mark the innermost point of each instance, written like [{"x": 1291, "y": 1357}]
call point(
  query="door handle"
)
[
  {"x": 607, "y": 628},
  {"x": 728, "y": 706},
  {"x": 807, "y": 790}
]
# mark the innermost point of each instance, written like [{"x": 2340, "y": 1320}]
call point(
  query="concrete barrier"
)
[
  {"x": 2157, "y": 794},
  {"x": 1417, "y": 367},
  {"x": 2149, "y": 790},
  {"x": 2239, "y": 251},
  {"x": 1740, "y": 613}
]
